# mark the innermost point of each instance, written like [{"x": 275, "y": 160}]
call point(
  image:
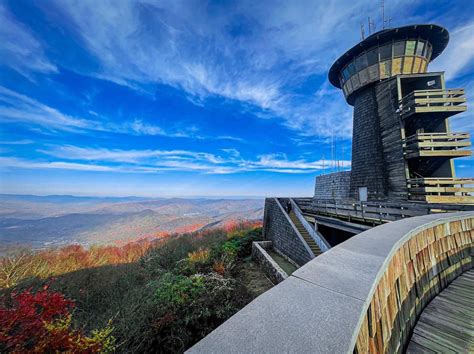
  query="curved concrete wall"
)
[{"x": 362, "y": 295}]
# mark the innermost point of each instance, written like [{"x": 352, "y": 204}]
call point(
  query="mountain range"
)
[{"x": 45, "y": 221}]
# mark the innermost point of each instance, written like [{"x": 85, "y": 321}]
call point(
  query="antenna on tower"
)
[
  {"x": 382, "y": 6},
  {"x": 371, "y": 26},
  {"x": 332, "y": 152},
  {"x": 362, "y": 32},
  {"x": 342, "y": 157}
]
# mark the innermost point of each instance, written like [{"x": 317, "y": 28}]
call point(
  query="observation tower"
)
[{"x": 402, "y": 145}]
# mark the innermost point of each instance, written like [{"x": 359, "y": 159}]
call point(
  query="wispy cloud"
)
[
  {"x": 32, "y": 164},
  {"x": 20, "y": 49},
  {"x": 18, "y": 108},
  {"x": 21, "y": 109},
  {"x": 15, "y": 107},
  {"x": 459, "y": 55},
  {"x": 257, "y": 54},
  {"x": 148, "y": 161},
  {"x": 17, "y": 142}
]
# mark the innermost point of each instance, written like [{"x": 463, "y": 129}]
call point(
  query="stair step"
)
[{"x": 313, "y": 246}]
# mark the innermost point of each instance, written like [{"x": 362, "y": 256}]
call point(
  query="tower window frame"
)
[
  {"x": 420, "y": 48},
  {"x": 385, "y": 52}
]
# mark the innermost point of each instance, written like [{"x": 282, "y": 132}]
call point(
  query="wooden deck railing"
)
[
  {"x": 375, "y": 212},
  {"x": 432, "y": 188},
  {"x": 437, "y": 144},
  {"x": 426, "y": 101}
]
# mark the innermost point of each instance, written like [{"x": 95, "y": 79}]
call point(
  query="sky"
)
[{"x": 191, "y": 98}]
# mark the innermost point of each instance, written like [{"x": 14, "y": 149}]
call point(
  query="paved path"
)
[{"x": 446, "y": 325}]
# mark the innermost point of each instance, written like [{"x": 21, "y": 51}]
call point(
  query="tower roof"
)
[{"x": 438, "y": 37}]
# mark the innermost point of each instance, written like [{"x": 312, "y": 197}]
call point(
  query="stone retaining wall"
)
[{"x": 270, "y": 267}]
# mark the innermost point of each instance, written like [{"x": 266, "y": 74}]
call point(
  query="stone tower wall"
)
[
  {"x": 367, "y": 154},
  {"x": 391, "y": 136}
]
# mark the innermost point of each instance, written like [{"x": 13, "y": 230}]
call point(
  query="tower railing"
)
[
  {"x": 437, "y": 144},
  {"x": 433, "y": 101},
  {"x": 441, "y": 189}
]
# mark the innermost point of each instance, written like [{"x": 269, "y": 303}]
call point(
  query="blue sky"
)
[{"x": 190, "y": 98}]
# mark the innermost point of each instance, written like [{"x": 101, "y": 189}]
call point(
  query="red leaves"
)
[
  {"x": 41, "y": 322},
  {"x": 25, "y": 317}
]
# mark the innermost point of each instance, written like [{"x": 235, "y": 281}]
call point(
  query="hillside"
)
[
  {"x": 158, "y": 296},
  {"x": 40, "y": 222}
]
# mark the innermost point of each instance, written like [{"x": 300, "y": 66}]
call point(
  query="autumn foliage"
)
[
  {"x": 41, "y": 322},
  {"x": 44, "y": 264},
  {"x": 151, "y": 295}
]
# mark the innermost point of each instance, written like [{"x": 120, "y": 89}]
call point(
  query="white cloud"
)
[
  {"x": 458, "y": 57},
  {"x": 259, "y": 53},
  {"x": 256, "y": 53},
  {"x": 18, "y": 108},
  {"x": 15, "y": 107},
  {"x": 147, "y": 161},
  {"x": 20, "y": 49},
  {"x": 31, "y": 164},
  {"x": 17, "y": 142}
]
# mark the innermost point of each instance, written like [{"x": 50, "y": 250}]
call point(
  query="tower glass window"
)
[
  {"x": 345, "y": 74},
  {"x": 429, "y": 49},
  {"x": 385, "y": 68},
  {"x": 372, "y": 56},
  {"x": 351, "y": 69},
  {"x": 361, "y": 62},
  {"x": 399, "y": 49},
  {"x": 419, "y": 48},
  {"x": 385, "y": 51},
  {"x": 410, "y": 48}
]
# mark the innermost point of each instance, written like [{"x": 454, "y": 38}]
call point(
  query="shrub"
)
[
  {"x": 188, "y": 308},
  {"x": 25, "y": 264},
  {"x": 163, "y": 296},
  {"x": 173, "y": 291},
  {"x": 41, "y": 322},
  {"x": 199, "y": 256}
]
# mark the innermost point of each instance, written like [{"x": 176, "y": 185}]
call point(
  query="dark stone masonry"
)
[
  {"x": 280, "y": 231},
  {"x": 367, "y": 154},
  {"x": 270, "y": 267},
  {"x": 333, "y": 185}
]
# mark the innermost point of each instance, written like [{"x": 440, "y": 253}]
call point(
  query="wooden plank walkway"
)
[{"x": 446, "y": 325}]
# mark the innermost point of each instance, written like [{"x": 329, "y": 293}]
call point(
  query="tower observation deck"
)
[{"x": 402, "y": 146}]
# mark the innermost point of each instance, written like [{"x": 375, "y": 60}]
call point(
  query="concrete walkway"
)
[{"x": 446, "y": 325}]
